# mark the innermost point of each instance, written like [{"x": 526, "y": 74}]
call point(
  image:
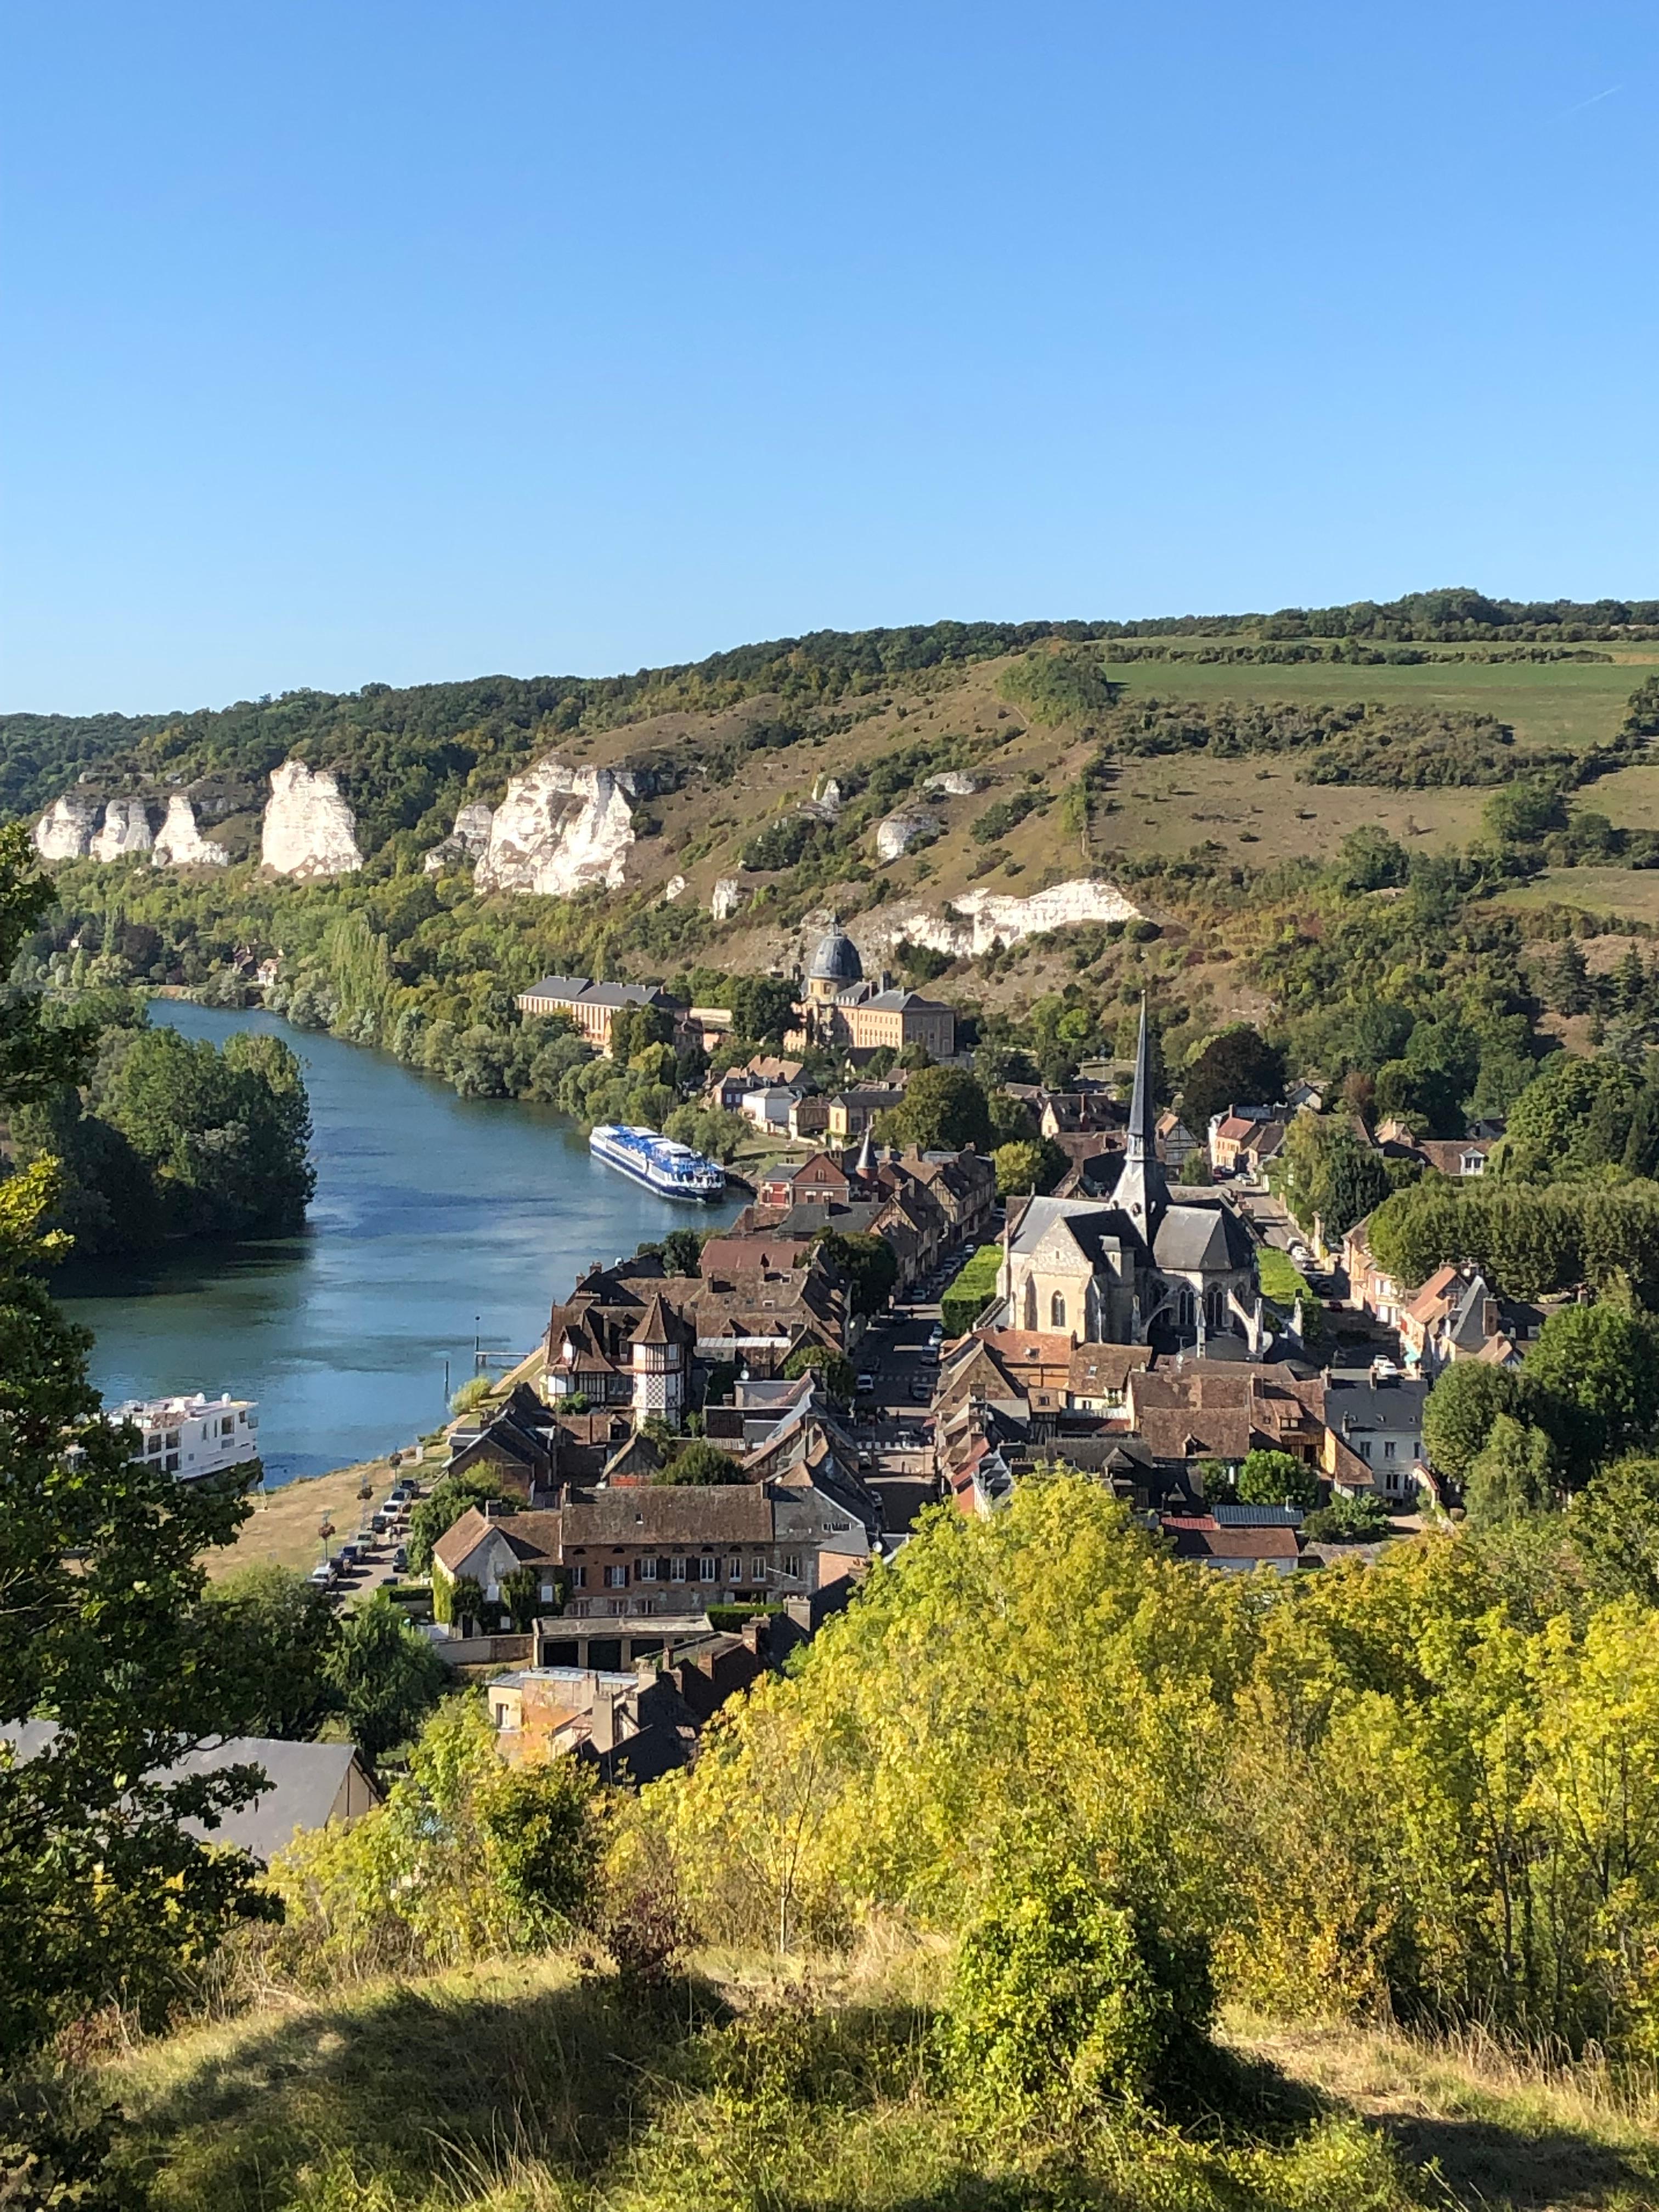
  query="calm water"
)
[{"x": 435, "y": 1216}]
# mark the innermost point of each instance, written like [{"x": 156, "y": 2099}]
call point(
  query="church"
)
[{"x": 1140, "y": 1267}]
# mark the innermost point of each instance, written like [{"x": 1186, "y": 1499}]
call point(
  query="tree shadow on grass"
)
[
  {"x": 415, "y": 2085},
  {"x": 1486, "y": 2166},
  {"x": 1480, "y": 2163}
]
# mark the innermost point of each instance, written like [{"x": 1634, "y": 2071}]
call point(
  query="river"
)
[{"x": 438, "y": 1220}]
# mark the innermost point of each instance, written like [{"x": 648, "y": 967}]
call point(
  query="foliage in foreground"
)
[{"x": 1432, "y": 1783}]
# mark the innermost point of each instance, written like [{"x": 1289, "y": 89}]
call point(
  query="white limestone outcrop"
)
[
  {"x": 673, "y": 888},
  {"x": 976, "y": 920},
  {"x": 909, "y": 826},
  {"x": 560, "y": 828},
  {"x": 309, "y": 831},
  {"x": 728, "y": 899},
  {"x": 827, "y": 800},
  {"x": 180, "y": 842},
  {"x": 124, "y": 829},
  {"x": 955, "y": 783},
  {"x": 467, "y": 842},
  {"x": 64, "y": 831}
]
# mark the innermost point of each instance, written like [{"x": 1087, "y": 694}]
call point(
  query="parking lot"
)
[{"x": 359, "y": 1564}]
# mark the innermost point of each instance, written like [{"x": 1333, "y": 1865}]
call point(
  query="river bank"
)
[{"x": 441, "y": 1225}]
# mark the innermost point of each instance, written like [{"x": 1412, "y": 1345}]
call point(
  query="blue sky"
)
[{"x": 349, "y": 341}]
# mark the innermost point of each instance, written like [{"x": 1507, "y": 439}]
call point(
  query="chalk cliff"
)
[
  {"x": 560, "y": 828},
  {"x": 309, "y": 831},
  {"x": 180, "y": 842},
  {"x": 975, "y": 921},
  {"x": 466, "y": 843},
  {"x": 909, "y": 826},
  {"x": 64, "y": 831},
  {"x": 126, "y": 830}
]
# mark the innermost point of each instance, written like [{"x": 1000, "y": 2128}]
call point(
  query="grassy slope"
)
[{"x": 522, "y": 2087}]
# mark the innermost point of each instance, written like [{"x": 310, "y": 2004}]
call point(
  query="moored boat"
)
[{"x": 671, "y": 1170}]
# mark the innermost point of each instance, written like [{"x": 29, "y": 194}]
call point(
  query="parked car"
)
[
  {"x": 323, "y": 1576},
  {"x": 936, "y": 1337},
  {"x": 400, "y": 1559}
]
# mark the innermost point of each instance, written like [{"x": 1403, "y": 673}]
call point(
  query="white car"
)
[
  {"x": 865, "y": 1384},
  {"x": 936, "y": 1338}
]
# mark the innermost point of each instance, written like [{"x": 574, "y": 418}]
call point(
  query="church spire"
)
[
  {"x": 1143, "y": 1130},
  {"x": 1142, "y": 1192}
]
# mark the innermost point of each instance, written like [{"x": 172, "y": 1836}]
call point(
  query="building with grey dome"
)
[
  {"x": 834, "y": 966},
  {"x": 844, "y": 1009}
]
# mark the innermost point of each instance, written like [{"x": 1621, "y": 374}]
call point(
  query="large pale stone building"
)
[
  {"x": 843, "y": 1008},
  {"x": 1140, "y": 1263}
]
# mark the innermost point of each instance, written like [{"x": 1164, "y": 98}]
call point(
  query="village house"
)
[
  {"x": 1380, "y": 1419},
  {"x": 1237, "y": 1541},
  {"x": 768, "y": 1107},
  {"x": 854, "y": 1110},
  {"x": 518, "y": 1446},
  {"x": 1198, "y": 1410},
  {"x": 728, "y": 1091},
  {"x": 652, "y": 1552},
  {"x": 1175, "y": 1141}
]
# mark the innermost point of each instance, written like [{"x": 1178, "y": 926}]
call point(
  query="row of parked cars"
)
[{"x": 388, "y": 1523}]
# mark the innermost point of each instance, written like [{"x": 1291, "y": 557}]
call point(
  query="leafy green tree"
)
[
  {"x": 278, "y": 1629},
  {"x": 763, "y": 1008},
  {"x": 1237, "y": 1068},
  {"x": 833, "y": 1368},
  {"x": 1615, "y": 1525},
  {"x": 1359, "y": 1520},
  {"x": 1461, "y": 1410},
  {"x": 107, "y": 1635},
  {"x": 943, "y": 1109},
  {"x": 542, "y": 1823},
  {"x": 1055, "y": 2007},
  {"x": 632, "y": 1029},
  {"x": 386, "y": 1675},
  {"x": 1565, "y": 979},
  {"x": 1524, "y": 813},
  {"x": 681, "y": 1249},
  {"x": 1602, "y": 1364},
  {"x": 1369, "y": 860},
  {"x": 703, "y": 1465},
  {"x": 868, "y": 1263},
  {"x": 1512, "y": 1476},
  {"x": 1277, "y": 1478},
  {"x": 450, "y": 1497},
  {"x": 1030, "y": 1164},
  {"x": 1355, "y": 1182},
  {"x": 1549, "y": 1137}
]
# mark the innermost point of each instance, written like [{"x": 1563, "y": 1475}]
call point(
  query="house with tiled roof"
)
[
  {"x": 629, "y": 1553},
  {"x": 1202, "y": 1538}
]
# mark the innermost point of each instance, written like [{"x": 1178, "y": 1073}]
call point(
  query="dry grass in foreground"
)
[{"x": 534, "y": 2086}]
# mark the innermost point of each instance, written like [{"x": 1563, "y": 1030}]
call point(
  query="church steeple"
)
[{"x": 1142, "y": 1192}]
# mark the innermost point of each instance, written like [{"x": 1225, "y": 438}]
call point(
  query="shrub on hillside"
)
[{"x": 1055, "y": 2007}]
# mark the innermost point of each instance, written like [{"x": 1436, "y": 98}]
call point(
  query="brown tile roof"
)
[
  {"x": 1196, "y": 1539},
  {"x": 1096, "y": 1369},
  {"x": 735, "y": 1512}
]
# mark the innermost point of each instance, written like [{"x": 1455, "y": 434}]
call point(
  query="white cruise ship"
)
[{"x": 672, "y": 1170}]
